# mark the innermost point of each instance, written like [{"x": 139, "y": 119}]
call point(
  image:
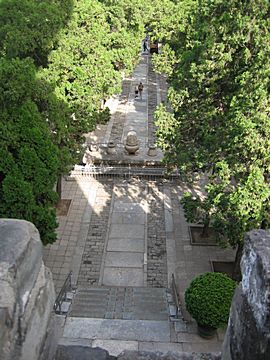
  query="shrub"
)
[
  {"x": 208, "y": 299},
  {"x": 103, "y": 116}
]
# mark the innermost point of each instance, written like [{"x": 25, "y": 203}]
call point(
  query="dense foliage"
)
[
  {"x": 218, "y": 67},
  {"x": 208, "y": 299},
  {"x": 59, "y": 60},
  {"x": 30, "y": 159}
]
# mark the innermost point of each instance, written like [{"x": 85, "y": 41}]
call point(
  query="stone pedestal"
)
[{"x": 248, "y": 332}]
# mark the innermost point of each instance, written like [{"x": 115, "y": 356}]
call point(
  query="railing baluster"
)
[{"x": 104, "y": 171}]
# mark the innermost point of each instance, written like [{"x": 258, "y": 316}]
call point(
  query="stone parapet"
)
[
  {"x": 248, "y": 336},
  {"x": 26, "y": 292}
]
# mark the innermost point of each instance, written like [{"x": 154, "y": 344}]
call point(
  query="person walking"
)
[
  {"x": 140, "y": 88},
  {"x": 145, "y": 49},
  {"x": 136, "y": 91}
]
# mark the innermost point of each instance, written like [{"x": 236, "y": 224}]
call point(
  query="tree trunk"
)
[
  {"x": 205, "y": 229},
  {"x": 237, "y": 276},
  {"x": 59, "y": 186}
]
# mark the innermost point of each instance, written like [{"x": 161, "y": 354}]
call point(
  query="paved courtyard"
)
[{"x": 131, "y": 232}]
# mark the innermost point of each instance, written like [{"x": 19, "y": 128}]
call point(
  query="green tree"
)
[
  {"x": 29, "y": 161},
  {"x": 219, "y": 94},
  {"x": 60, "y": 59},
  {"x": 28, "y": 28}
]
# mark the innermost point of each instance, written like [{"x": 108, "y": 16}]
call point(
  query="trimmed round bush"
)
[{"x": 208, "y": 299}]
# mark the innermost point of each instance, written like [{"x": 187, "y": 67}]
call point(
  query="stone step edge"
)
[
  {"x": 116, "y": 347},
  {"x": 117, "y": 329},
  {"x": 136, "y": 288}
]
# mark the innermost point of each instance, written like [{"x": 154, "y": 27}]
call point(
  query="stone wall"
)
[
  {"x": 248, "y": 333},
  {"x": 26, "y": 293}
]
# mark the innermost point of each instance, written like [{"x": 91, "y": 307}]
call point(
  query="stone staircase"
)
[
  {"x": 123, "y": 303},
  {"x": 117, "y": 319}
]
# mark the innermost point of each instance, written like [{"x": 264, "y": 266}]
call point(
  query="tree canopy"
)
[
  {"x": 59, "y": 60},
  {"x": 218, "y": 69}
]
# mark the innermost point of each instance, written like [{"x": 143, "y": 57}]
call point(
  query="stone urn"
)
[
  {"x": 111, "y": 148},
  {"x": 132, "y": 143}
]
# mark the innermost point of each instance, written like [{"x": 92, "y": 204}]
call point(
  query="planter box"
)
[
  {"x": 195, "y": 239},
  {"x": 225, "y": 267},
  {"x": 62, "y": 207}
]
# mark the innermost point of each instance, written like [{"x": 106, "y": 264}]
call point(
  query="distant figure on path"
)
[
  {"x": 136, "y": 92},
  {"x": 145, "y": 49},
  {"x": 140, "y": 88}
]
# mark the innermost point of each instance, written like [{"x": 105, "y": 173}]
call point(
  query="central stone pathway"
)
[
  {"x": 126, "y": 248},
  {"x": 124, "y": 236},
  {"x": 131, "y": 114}
]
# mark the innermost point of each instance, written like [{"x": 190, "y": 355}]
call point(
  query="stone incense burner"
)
[{"x": 132, "y": 143}]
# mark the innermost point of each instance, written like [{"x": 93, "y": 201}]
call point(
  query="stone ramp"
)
[{"x": 121, "y": 303}]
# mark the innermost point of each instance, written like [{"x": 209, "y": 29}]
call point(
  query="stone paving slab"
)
[
  {"x": 127, "y": 245},
  {"x": 134, "y": 330},
  {"x": 162, "y": 347},
  {"x": 124, "y": 276},
  {"x": 121, "y": 206},
  {"x": 65, "y": 254},
  {"x": 115, "y": 347},
  {"x": 207, "y": 347},
  {"x": 127, "y": 231},
  {"x": 126, "y": 218},
  {"x": 124, "y": 259}
]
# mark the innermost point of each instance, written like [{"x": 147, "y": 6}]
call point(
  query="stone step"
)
[
  {"x": 98, "y": 290},
  {"x": 78, "y": 311},
  {"x": 85, "y": 307},
  {"x": 92, "y": 301},
  {"x": 154, "y": 308},
  {"x": 127, "y": 330},
  {"x": 86, "y": 314},
  {"x": 85, "y": 311},
  {"x": 150, "y": 302},
  {"x": 96, "y": 349},
  {"x": 93, "y": 294},
  {"x": 121, "y": 303},
  {"x": 116, "y": 347},
  {"x": 149, "y": 316}
]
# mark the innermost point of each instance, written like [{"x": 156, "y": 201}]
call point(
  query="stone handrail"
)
[{"x": 175, "y": 297}]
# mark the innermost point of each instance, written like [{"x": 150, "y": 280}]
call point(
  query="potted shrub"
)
[{"x": 208, "y": 300}]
